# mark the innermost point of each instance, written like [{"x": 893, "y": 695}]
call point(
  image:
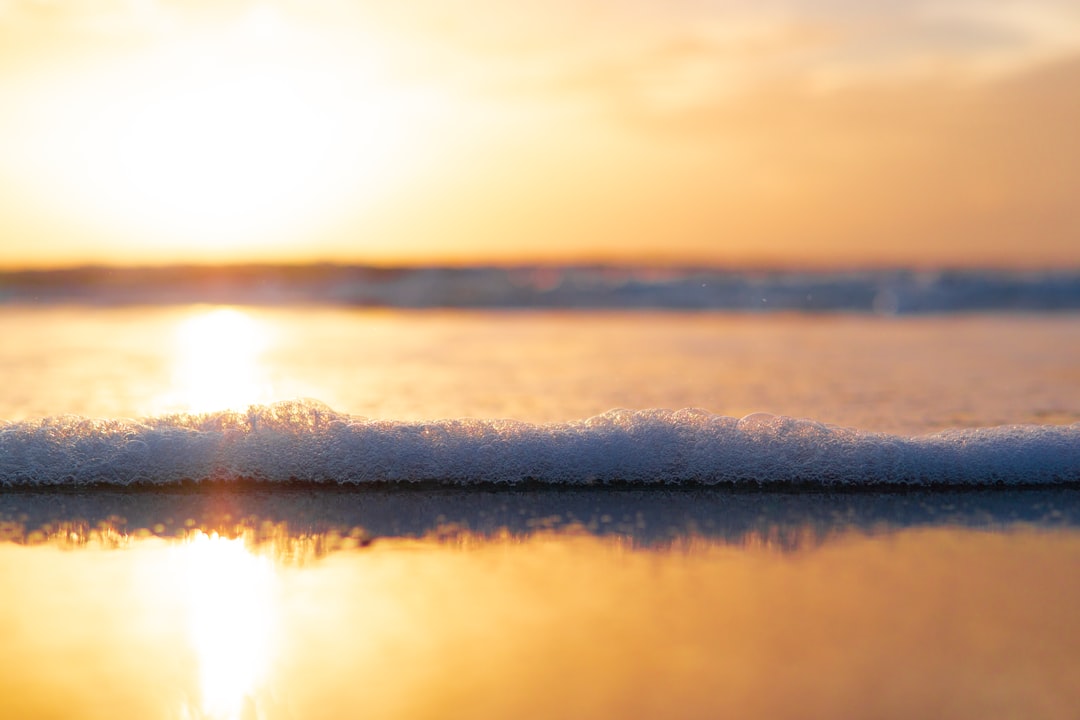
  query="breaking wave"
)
[
  {"x": 307, "y": 442},
  {"x": 887, "y": 291}
]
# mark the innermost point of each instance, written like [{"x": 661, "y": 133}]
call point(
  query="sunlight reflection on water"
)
[
  {"x": 230, "y": 595},
  {"x": 217, "y": 362},
  {"x": 901, "y": 375},
  {"x": 928, "y": 622}
]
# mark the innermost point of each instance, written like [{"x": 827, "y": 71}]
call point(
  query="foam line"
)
[{"x": 305, "y": 441}]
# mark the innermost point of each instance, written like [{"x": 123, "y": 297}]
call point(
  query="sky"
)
[{"x": 795, "y": 133}]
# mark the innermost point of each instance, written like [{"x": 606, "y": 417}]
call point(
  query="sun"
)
[
  {"x": 219, "y": 139},
  {"x": 223, "y": 152}
]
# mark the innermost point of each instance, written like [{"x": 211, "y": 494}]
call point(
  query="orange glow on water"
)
[
  {"x": 913, "y": 623},
  {"x": 217, "y": 362},
  {"x": 231, "y": 621}
]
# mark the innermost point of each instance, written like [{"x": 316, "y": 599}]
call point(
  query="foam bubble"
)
[{"x": 306, "y": 441}]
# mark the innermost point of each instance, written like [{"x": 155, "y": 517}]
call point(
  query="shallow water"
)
[
  {"x": 647, "y": 518},
  {"x": 915, "y": 621},
  {"x": 277, "y": 601},
  {"x": 905, "y": 375}
]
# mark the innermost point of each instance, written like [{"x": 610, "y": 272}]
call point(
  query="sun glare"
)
[
  {"x": 231, "y": 606},
  {"x": 222, "y": 155},
  {"x": 226, "y": 138},
  {"x": 217, "y": 362}
]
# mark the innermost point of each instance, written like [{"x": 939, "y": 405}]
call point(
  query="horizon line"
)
[{"x": 763, "y": 266}]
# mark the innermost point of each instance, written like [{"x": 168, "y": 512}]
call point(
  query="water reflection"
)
[
  {"x": 230, "y": 598},
  {"x": 217, "y": 362},
  {"x": 918, "y": 622},
  {"x": 319, "y": 519}
]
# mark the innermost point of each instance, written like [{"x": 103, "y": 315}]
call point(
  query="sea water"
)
[
  {"x": 159, "y": 396},
  {"x": 907, "y": 375},
  {"x": 284, "y": 512}
]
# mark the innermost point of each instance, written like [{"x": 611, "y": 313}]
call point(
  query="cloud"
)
[{"x": 676, "y": 54}]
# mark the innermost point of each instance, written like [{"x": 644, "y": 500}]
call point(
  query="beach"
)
[
  {"x": 501, "y": 360},
  {"x": 851, "y": 527}
]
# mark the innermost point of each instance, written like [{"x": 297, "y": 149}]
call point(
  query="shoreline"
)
[{"x": 644, "y": 516}]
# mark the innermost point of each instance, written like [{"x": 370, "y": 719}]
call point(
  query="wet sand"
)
[{"x": 443, "y": 604}]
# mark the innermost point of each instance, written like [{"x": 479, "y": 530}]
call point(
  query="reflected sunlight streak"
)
[
  {"x": 217, "y": 362},
  {"x": 232, "y": 619}
]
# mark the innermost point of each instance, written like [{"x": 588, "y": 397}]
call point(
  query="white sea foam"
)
[{"x": 305, "y": 441}]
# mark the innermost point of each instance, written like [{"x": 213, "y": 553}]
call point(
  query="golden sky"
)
[{"x": 791, "y": 132}]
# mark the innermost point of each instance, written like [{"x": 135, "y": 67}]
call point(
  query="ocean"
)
[{"x": 577, "y": 492}]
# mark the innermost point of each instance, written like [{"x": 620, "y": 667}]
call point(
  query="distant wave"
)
[
  {"x": 307, "y": 442},
  {"x": 889, "y": 291}
]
